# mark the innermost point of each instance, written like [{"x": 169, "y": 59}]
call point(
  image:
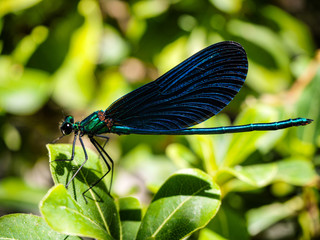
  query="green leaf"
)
[
  {"x": 258, "y": 175},
  {"x": 299, "y": 172},
  {"x": 100, "y": 208},
  {"x": 8, "y": 6},
  {"x": 261, "y": 218},
  {"x": 228, "y": 6},
  {"x": 207, "y": 234},
  {"x": 243, "y": 145},
  {"x": 75, "y": 78},
  {"x": 211, "y": 149},
  {"x": 130, "y": 215},
  {"x": 27, "y": 226},
  {"x": 22, "y": 91},
  {"x": 294, "y": 33},
  {"x": 65, "y": 215},
  {"x": 310, "y": 94},
  {"x": 266, "y": 45},
  {"x": 152, "y": 169},
  {"x": 229, "y": 224},
  {"x": 186, "y": 202},
  {"x": 181, "y": 155},
  {"x": 149, "y": 9},
  {"x": 171, "y": 54}
]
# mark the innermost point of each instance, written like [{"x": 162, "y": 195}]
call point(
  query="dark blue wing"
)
[{"x": 190, "y": 93}]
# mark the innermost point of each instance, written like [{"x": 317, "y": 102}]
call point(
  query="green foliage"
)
[
  {"x": 187, "y": 201},
  {"x": 98, "y": 215},
  {"x": 74, "y": 57},
  {"x": 65, "y": 215},
  {"x": 27, "y": 226}
]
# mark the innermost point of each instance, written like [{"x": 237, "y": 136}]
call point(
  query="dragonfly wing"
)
[{"x": 195, "y": 90}]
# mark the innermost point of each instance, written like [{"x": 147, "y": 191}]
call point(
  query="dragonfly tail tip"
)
[{"x": 309, "y": 121}]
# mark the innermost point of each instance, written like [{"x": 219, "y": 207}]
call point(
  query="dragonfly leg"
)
[
  {"x": 85, "y": 160},
  {"x": 73, "y": 147},
  {"x": 102, "y": 153},
  {"x": 104, "y": 137}
]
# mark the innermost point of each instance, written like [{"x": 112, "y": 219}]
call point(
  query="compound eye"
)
[
  {"x": 69, "y": 119},
  {"x": 66, "y": 128}
]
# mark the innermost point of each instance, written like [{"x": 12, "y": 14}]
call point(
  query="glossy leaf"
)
[
  {"x": 26, "y": 227},
  {"x": 100, "y": 208},
  {"x": 186, "y": 202},
  {"x": 65, "y": 215}
]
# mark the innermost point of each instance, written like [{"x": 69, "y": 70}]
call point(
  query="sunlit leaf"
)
[
  {"x": 8, "y": 6},
  {"x": 150, "y": 168},
  {"x": 136, "y": 28},
  {"x": 181, "y": 155},
  {"x": 308, "y": 107},
  {"x": 266, "y": 45},
  {"x": 149, "y": 9},
  {"x": 207, "y": 234},
  {"x": 187, "y": 201},
  {"x": 22, "y": 91},
  {"x": 299, "y": 172},
  {"x": 261, "y": 218},
  {"x": 29, "y": 44},
  {"x": 26, "y": 227},
  {"x": 228, "y": 6},
  {"x": 74, "y": 80},
  {"x": 65, "y": 215},
  {"x": 114, "y": 48},
  {"x": 244, "y": 144},
  {"x": 171, "y": 55},
  {"x": 100, "y": 207},
  {"x": 293, "y": 32},
  {"x": 257, "y": 175}
]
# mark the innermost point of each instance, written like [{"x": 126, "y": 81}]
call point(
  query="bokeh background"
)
[{"x": 75, "y": 57}]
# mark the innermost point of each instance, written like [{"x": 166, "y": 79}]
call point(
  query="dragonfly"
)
[{"x": 190, "y": 93}]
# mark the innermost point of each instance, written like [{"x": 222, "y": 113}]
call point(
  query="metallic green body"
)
[{"x": 92, "y": 125}]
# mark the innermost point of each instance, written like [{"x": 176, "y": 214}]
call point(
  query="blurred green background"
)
[{"x": 75, "y": 57}]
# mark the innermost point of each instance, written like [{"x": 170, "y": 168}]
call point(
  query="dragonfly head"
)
[{"x": 67, "y": 126}]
